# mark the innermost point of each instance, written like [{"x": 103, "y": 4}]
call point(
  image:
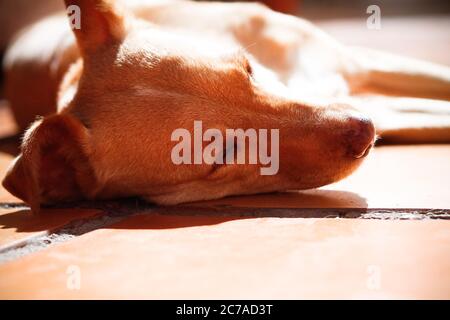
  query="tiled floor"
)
[
  {"x": 286, "y": 245},
  {"x": 18, "y": 225},
  {"x": 264, "y": 246},
  {"x": 176, "y": 257},
  {"x": 423, "y": 37},
  {"x": 5, "y": 160}
]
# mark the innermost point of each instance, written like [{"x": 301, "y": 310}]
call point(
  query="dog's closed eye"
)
[
  {"x": 248, "y": 67},
  {"x": 248, "y": 70},
  {"x": 243, "y": 63}
]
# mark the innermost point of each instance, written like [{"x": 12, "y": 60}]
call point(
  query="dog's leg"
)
[
  {"x": 406, "y": 120},
  {"x": 300, "y": 47},
  {"x": 418, "y": 118},
  {"x": 388, "y": 74}
]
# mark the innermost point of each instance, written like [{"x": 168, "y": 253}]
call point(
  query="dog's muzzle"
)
[{"x": 360, "y": 136}]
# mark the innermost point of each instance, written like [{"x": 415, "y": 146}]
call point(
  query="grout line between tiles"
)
[
  {"x": 116, "y": 211},
  {"x": 43, "y": 240}
]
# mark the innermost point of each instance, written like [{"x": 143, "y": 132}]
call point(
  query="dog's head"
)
[{"x": 138, "y": 85}]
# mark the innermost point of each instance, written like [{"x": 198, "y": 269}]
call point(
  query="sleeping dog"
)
[{"x": 112, "y": 91}]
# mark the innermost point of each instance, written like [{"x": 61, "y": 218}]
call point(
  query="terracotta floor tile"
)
[
  {"x": 7, "y": 124},
  {"x": 392, "y": 177},
  {"x": 423, "y": 37},
  {"x": 155, "y": 256},
  {"x": 5, "y": 160},
  {"x": 8, "y": 147},
  {"x": 17, "y": 225}
]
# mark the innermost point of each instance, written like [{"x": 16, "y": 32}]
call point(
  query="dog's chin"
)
[
  {"x": 352, "y": 164},
  {"x": 336, "y": 171}
]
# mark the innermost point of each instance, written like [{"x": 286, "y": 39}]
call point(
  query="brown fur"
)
[{"x": 133, "y": 78}]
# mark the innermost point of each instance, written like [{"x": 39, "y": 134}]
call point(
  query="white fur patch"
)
[{"x": 141, "y": 91}]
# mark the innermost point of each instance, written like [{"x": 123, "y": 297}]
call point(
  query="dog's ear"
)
[
  {"x": 100, "y": 22},
  {"x": 54, "y": 164}
]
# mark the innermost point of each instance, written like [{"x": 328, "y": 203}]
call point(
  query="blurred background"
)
[
  {"x": 416, "y": 28},
  {"x": 419, "y": 28}
]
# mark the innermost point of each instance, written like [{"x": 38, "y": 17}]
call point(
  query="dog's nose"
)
[{"x": 360, "y": 135}]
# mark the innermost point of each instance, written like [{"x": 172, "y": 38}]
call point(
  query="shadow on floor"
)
[
  {"x": 281, "y": 205},
  {"x": 10, "y": 144}
]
